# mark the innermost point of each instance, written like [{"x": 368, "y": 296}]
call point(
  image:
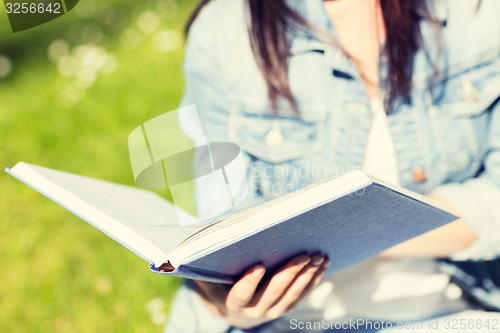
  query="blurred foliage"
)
[{"x": 70, "y": 93}]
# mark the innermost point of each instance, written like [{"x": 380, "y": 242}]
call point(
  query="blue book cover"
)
[{"x": 349, "y": 229}]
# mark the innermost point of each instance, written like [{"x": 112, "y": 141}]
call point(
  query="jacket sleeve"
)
[
  {"x": 206, "y": 72},
  {"x": 477, "y": 200},
  {"x": 204, "y": 84},
  {"x": 205, "y": 87}
]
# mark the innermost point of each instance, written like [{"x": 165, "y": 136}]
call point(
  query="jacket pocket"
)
[
  {"x": 278, "y": 137},
  {"x": 460, "y": 114},
  {"x": 470, "y": 92}
]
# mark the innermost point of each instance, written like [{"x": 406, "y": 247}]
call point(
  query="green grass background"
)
[{"x": 58, "y": 274}]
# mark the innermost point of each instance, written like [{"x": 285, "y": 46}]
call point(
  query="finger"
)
[
  {"x": 243, "y": 291},
  {"x": 296, "y": 290},
  {"x": 314, "y": 282},
  {"x": 280, "y": 281}
]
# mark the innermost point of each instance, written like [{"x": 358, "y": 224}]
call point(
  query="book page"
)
[{"x": 139, "y": 219}]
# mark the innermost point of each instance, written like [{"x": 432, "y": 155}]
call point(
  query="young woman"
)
[{"x": 406, "y": 90}]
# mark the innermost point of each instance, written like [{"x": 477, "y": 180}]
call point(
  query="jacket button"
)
[
  {"x": 419, "y": 174},
  {"x": 274, "y": 137},
  {"x": 471, "y": 94}
]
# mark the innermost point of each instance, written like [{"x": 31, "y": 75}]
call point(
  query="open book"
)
[{"x": 350, "y": 218}]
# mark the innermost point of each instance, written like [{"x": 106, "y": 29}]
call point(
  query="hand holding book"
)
[{"x": 254, "y": 300}]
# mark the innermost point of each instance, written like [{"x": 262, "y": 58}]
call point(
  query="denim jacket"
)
[{"x": 447, "y": 140}]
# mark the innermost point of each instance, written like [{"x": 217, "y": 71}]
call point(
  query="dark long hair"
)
[{"x": 271, "y": 19}]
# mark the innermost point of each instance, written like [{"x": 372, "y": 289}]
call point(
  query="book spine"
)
[{"x": 187, "y": 272}]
